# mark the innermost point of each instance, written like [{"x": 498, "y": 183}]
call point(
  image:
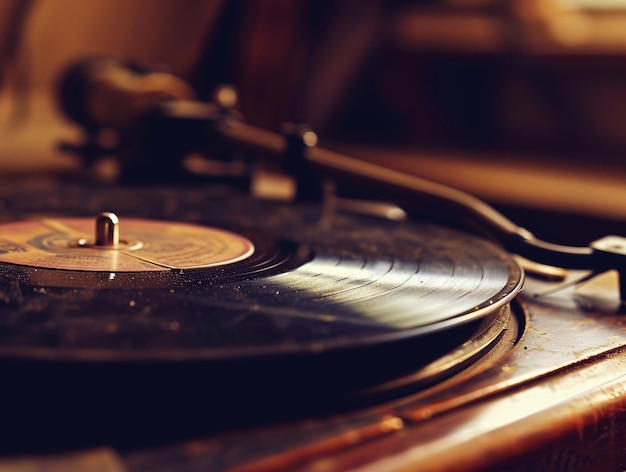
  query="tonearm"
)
[{"x": 158, "y": 120}]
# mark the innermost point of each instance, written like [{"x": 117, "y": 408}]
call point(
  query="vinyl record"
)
[
  {"x": 310, "y": 306},
  {"x": 202, "y": 293}
]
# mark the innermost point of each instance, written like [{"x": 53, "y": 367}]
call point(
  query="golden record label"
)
[{"x": 145, "y": 245}]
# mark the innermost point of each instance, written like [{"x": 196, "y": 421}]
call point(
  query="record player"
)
[{"x": 181, "y": 324}]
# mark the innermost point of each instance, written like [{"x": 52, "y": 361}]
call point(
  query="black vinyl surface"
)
[{"x": 329, "y": 303}]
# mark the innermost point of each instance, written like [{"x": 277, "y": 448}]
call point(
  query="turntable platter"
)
[{"x": 325, "y": 305}]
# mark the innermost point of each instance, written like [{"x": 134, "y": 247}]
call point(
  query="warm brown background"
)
[
  {"x": 58, "y": 32},
  {"x": 543, "y": 125}
]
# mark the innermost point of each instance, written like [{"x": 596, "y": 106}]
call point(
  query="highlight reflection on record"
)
[{"x": 397, "y": 293}]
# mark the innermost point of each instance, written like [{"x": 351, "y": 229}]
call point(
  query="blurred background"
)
[{"x": 519, "y": 102}]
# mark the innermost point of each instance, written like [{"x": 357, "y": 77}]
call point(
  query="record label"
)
[{"x": 144, "y": 245}]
